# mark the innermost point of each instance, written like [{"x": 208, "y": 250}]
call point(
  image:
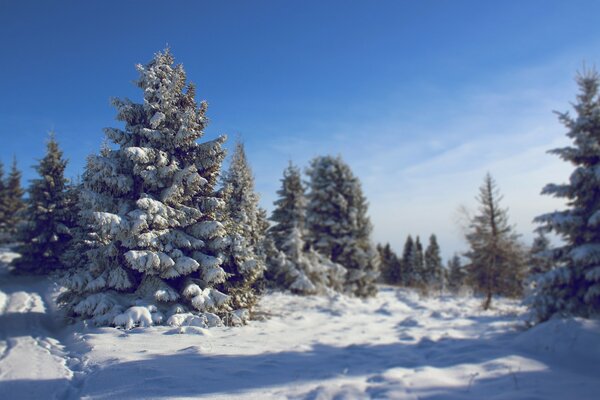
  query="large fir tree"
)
[
  {"x": 244, "y": 224},
  {"x": 496, "y": 258},
  {"x": 338, "y": 225},
  {"x": 573, "y": 286},
  {"x": 48, "y": 218},
  {"x": 149, "y": 209}
]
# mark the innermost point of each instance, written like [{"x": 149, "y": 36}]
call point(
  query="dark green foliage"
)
[
  {"x": 11, "y": 204},
  {"x": 48, "y": 218},
  {"x": 433, "y": 275},
  {"x": 572, "y": 286},
  {"x": 456, "y": 275}
]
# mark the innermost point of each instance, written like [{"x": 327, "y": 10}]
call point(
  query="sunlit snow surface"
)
[{"x": 397, "y": 345}]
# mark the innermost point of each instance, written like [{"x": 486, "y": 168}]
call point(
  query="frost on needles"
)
[
  {"x": 296, "y": 266},
  {"x": 572, "y": 287},
  {"x": 148, "y": 209},
  {"x": 338, "y": 225}
]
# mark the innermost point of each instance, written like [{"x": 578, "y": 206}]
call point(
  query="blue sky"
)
[{"x": 422, "y": 98}]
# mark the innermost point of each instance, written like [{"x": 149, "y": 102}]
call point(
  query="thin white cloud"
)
[{"x": 416, "y": 171}]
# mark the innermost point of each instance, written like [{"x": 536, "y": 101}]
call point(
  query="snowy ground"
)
[{"x": 397, "y": 345}]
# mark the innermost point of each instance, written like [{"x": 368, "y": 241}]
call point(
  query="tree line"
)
[{"x": 157, "y": 232}]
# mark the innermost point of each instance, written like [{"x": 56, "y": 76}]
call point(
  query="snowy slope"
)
[
  {"x": 33, "y": 362},
  {"x": 397, "y": 345}
]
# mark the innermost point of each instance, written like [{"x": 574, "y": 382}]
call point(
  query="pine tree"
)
[
  {"x": 48, "y": 219},
  {"x": 290, "y": 208},
  {"x": 456, "y": 275},
  {"x": 433, "y": 271},
  {"x": 408, "y": 262},
  {"x": 245, "y": 226},
  {"x": 497, "y": 259},
  {"x": 573, "y": 286},
  {"x": 148, "y": 212},
  {"x": 13, "y": 203},
  {"x": 338, "y": 225}
]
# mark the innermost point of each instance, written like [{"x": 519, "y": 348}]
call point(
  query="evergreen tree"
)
[
  {"x": 48, "y": 218},
  {"x": 338, "y": 225},
  {"x": 296, "y": 266},
  {"x": 148, "y": 211},
  {"x": 304, "y": 271},
  {"x": 497, "y": 259},
  {"x": 434, "y": 270},
  {"x": 13, "y": 202},
  {"x": 290, "y": 207},
  {"x": 573, "y": 286},
  {"x": 418, "y": 277},
  {"x": 408, "y": 259},
  {"x": 390, "y": 265},
  {"x": 246, "y": 229},
  {"x": 539, "y": 262},
  {"x": 456, "y": 275},
  {"x": 3, "y": 204}
]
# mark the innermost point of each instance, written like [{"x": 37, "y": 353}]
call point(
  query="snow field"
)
[{"x": 397, "y": 345}]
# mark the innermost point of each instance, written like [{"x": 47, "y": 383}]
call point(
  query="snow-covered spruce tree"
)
[
  {"x": 539, "y": 260},
  {"x": 456, "y": 275},
  {"x": 297, "y": 266},
  {"x": 338, "y": 225},
  {"x": 12, "y": 203},
  {"x": 390, "y": 266},
  {"x": 408, "y": 262},
  {"x": 433, "y": 276},
  {"x": 573, "y": 286},
  {"x": 497, "y": 260},
  {"x": 246, "y": 230},
  {"x": 3, "y": 211},
  {"x": 418, "y": 278},
  {"x": 304, "y": 271},
  {"x": 150, "y": 209},
  {"x": 47, "y": 220},
  {"x": 290, "y": 208}
]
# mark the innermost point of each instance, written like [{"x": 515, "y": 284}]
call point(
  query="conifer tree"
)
[
  {"x": 338, "y": 225},
  {"x": 304, "y": 271},
  {"x": 496, "y": 258},
  {"x": 539, "y": 260},
  {"x": 390, "y": 265},
  {"x": 246, "y": 229},
  {"x": 408, "y": 262},
  {"x": 296, "y": 266},
  {"x": 290, "y": 208},
  {"x": 3, "y": 210},
  {"x": 148, "y": 211},
  {"x": 48, "y": 217},
  {"x": 418, "y": 277},
  {"x": 13, "y": 202},
  {"x": 434, "y": 270},
  {"x": 573, "y": 286},
  {"x": 456, "y": 275}
]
